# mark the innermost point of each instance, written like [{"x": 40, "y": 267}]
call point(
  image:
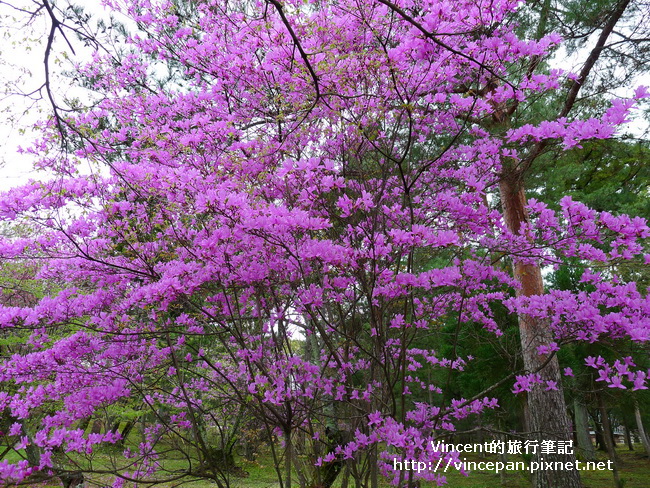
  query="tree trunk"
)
[
  {"x": 628, "y": 437},
  {"x": 72, "y": 480},
  {"x": 346, "y": 474},
  {"x": 126, "y": 431},
  {"x": 582, "y": 431},
  {"x": 611, "y": 435},
  {"x": 607, "y": 438},
  {"x": 639, "y": 425},
  {"x": 600, "y": 440},
  {"x": 288, "y": 458},
  {"x": 83, "y": 424},
  {"x": 374, "y": 477},
  {"x": 548, "y": 416},
  {"x": 480, "y": 441},
  {"x": 97, "y": 427},
  {"x": 33, "y": 454},
  {"x": 503, "y": 455}
]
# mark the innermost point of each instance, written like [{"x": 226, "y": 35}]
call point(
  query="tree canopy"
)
[{"x": 271, "y": 212}]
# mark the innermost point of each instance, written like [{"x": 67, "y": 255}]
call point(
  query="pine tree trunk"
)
[
  {"x": 548, "y": 415},
  {"x": 639, "y": 425},
  {"x": 600, "y": 440},
  {"x": 628, "y": 438},
  {"x": 582, "y": 431},
  {"x": 608, "y": 440}
]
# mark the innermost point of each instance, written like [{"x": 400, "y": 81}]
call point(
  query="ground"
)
[{"x": 634, "y": 472}]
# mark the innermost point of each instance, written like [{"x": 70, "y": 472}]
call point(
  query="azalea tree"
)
[{"x": 273, "y": 233}]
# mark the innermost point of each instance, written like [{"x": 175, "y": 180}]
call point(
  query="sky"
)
[
  {"x": 20, "y": 70},
  {"x": 22, "y": 48}
]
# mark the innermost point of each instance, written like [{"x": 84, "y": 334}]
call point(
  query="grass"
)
[{"x": 634, "y": 471}]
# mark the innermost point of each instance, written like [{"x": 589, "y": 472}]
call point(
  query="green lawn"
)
[{"x": 634, "y": 470}]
